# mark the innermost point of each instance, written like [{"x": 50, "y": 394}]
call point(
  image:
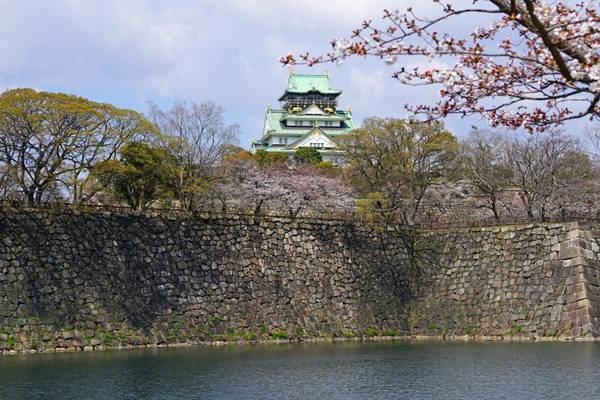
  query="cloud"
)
[
  {"x": 128, "y": 52},
  {"x": 367, "y": 86}
]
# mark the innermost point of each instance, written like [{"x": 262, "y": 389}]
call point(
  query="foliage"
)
[
  {"x": 299, "y": 332},
  {"x": 393, "y": 163},
  {"x": 265, "y": 157},
  {"x": 371, "y": 332},
  {"x": 279, "y": 334},
  {"x": 308, "y": 155},
  {"x": 326, "y": 165},
  {"x": 263, "y": 328},
  {"x": 233, "y": 157},
  {"x": 229, "y": 149},
  {"x": 536, "y": 64},
  {"x": 197, "y": 138},
  {"x": 271, "y": 157},
  {"x": 50, "y": 141},
  {"x": 370, "y": 206},
  {"x": 432, "y": 327},
  {"x": 140, "y": 178},
  {"x": 260, "y": 155}
]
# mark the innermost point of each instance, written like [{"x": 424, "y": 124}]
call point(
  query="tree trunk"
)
[
  {"x": 258, "y": 207},
  {"x": 494, "y": 206}
]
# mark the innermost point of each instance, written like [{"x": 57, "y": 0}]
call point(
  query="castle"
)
[{"x": 309, "y": 117}]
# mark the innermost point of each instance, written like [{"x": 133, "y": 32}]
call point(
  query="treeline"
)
[
  {"x": 60, "y": 148},
  {"x": 57, "y": 147},
  {"x": 414, "y": 172}
]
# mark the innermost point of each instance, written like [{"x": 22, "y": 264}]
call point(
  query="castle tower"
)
[{"x": 308, "y": 117}]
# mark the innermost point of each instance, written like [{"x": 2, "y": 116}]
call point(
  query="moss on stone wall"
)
[{"x": 73, "y": 281}]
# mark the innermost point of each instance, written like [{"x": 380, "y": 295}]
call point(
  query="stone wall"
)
[
  {"x": 72, "y": 281},
  {"x": 534, "y": 280}
]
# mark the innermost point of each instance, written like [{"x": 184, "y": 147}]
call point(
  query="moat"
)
[{"x": 350, "y": 370}]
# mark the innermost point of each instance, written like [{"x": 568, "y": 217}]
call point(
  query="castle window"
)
[
  {"x": 283, "y": 140},
  {"x": 317, "y": 145}
]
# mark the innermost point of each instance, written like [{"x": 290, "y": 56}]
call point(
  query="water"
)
[{"x": 398, "y": 370}]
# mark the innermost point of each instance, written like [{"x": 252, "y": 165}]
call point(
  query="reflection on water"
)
[{"x": 312, "y": 371}]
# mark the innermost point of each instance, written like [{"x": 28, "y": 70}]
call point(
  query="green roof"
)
[
  {"x": 274, "y": 126},
  {"x": 304, "y": 83}
]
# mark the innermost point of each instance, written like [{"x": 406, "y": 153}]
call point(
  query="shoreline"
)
[{"x": 400, "y": 338}]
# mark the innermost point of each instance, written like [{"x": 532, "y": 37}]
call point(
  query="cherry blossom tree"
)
[
  {"x": 536, "y": 65},
  {"x": 288, "y": 189},
  {"x": 307, "y": 188}
]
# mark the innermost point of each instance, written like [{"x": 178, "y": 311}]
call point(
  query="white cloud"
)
[
  {"x": 127, "y": 52},
  {"x": 368, "y": 86}
]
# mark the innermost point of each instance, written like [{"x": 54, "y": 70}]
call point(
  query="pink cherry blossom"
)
[{"x": 536, "y": 65}]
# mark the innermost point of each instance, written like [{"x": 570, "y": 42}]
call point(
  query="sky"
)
[{"x": 129, "y": 52}]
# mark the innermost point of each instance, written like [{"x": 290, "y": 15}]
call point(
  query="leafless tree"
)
[
  {"x": 197, "y": 136},
  {"x": 541, "y": 165},
  {"x": 484, "y": 167}
]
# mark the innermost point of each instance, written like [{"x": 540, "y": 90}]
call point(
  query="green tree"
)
[
  {"x": 308, "y": 155},
  {"x": 141, "y": 177},
  {"x": 265, "y": 157},
  {"x": 50, "y": 141},
  {"x": 275, "y": 157},
  {"x": 393, "y": 162}
]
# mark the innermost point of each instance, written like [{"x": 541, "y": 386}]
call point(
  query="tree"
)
[
  {"x": 308, "y": 155},
  {"x": 535, "y": 66},
  {"x": 484, "y": 167},
  {"x": 141, "y": 177},
  {"x": 289, "y": 189},
  {"x": 541, "y": 165},
  {"x": 395, "y": 162},
  {"x": 50, "y": 141},
  {"x": 197, "y": 137},
  {"x": 307, "y": 188},
  {"x": 265, "y": 157},
  {"x": 579, "y": 193}
]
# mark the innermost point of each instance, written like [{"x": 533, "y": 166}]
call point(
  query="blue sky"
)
[{"x": 132, "y": 51}]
